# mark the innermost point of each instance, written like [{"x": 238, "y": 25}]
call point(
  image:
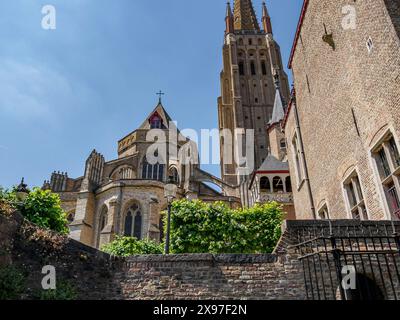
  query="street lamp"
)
[
  {"x": 22, "y": 191},
  {"x": 170, "y": 194}
]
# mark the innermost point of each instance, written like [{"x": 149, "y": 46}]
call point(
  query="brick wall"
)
[
  {"x": 277, "y": 276},
  {"x": 331, "y": 85},
  {"x": 207, "y": 276},
  {"x": 96, "y": 275}
]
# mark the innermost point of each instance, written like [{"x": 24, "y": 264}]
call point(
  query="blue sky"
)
[{"x": 92, "y": 80}]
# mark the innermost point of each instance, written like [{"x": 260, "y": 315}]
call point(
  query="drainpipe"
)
[{"x": 303, "y": 156}]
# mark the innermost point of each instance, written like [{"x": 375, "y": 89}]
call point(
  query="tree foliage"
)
[
  {"x": 128, "y": 246},
  {"x": 41, "y": 207},
  {"x": 197, "y": 227}
]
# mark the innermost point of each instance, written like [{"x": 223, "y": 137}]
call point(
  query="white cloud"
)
[{"x": 28, "y": 90}]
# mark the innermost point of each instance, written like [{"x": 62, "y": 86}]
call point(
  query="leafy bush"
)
[
  {"x": 63, "y": 291},
  {"x": 12, "y": 283},
  {"x": 41, "y": 207},
  {"x": 128, "y": 246},
  {"x": 197, "y": 227}
]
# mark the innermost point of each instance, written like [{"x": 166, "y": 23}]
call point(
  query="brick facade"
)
[{"x": 347, "y": 99}]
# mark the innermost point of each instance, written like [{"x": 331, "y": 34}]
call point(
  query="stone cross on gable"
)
[{"x": 160, "y": 94}]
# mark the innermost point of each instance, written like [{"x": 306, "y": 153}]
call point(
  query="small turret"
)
[
  {"x": 266, "y": 20},
  {"x": 229, "y": 20}
]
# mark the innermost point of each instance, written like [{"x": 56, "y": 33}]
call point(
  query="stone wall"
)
[
  {"x": 277, "y": 276},
  {"x": 96, "y": 275}
]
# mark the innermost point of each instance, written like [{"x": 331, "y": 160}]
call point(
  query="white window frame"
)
[
  {"x": 324, "y": 208},
  {"x": 395, "y": 172},
  {"x": 360, "y": 199},
  {"x": 298, "y": 161}
]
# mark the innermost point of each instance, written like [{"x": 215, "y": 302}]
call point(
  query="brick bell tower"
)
[{"x": 251, "y": 58}]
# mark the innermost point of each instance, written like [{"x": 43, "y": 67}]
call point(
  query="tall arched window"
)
[
  {"x": 264, "y": 67},
  {"x": 173, "y": 175},
  {"x": 253, "y": 68},
  {"x": 277, "y": 185},
  {"x": 102, "y": 223},
  {"x": 153, "y": 172},
  {"x": 133, "y": 222},
  {"x": 265, "y": 185},
  {"x": 241, "y": 68},
  {"x": 103, "y": 219}
]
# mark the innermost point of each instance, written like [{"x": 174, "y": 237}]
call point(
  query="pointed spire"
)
[
  {"x": 245, "y": 16},
  {"x": 278, "y": 113},
  {"x": 266, "y": 20},
  {"x": 229, "y": 19}
]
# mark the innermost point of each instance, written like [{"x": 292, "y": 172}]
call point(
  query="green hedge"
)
[
  {"x": 128, "y": 246},
  {"x": 197, "y": 227}
]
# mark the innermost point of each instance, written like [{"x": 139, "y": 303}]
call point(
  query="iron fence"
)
[{"x": 370, "y": 251}]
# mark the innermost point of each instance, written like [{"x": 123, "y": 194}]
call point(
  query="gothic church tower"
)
[{"x": 251, "y": 59}]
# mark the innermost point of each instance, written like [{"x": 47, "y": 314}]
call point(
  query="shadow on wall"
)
[{"x": 85, "y": 272}]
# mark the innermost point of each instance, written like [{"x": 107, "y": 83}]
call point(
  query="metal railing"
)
[{"x": 372, "y": 251}]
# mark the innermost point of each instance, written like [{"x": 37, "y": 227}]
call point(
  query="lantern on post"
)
[{"x": 170, "y": 190}]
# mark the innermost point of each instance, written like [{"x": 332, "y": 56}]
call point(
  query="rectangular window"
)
[
  {"x": 355, "y": 197},
  {"x": 263, "y": 68},
  {"x": 241, "y": 68},
  {"x": 253, "y": 68},
  {"x": 387, "y": 159}
]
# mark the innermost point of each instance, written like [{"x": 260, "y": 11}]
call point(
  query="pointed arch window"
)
[
  {"x": 264, "y": 68},
  {"x": 133, "y": 222},
  {"x": 173, "y": 175},
  {"x": 253, "y": 68},
  {"x": 102, "y": 223},
  {"x": 103, "y": 219},
  {"x": 241, "y": 68}
]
